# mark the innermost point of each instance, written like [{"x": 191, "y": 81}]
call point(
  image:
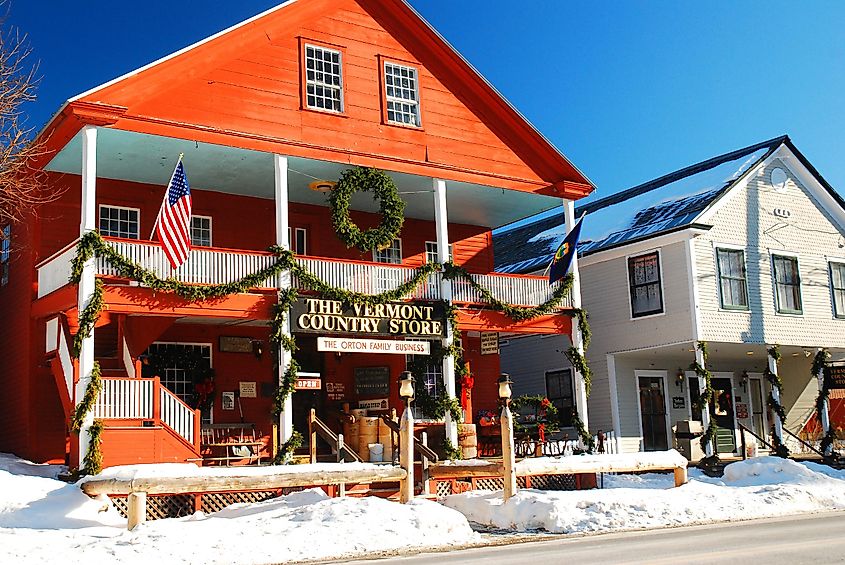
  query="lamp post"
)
[
  {"x": 506, "y": 419},
  {"x": 406, "y": 437}
]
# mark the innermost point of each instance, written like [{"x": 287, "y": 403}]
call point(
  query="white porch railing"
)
[
  {"x": 177, "y": 415},
  {"x": 65, "y": 360},
  {"x": 216, "y": 266},
  {"x": 125, "y": 399}
]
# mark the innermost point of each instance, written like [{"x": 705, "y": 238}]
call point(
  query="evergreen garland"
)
[
  {"x": 452, "y": 453},
  {"x": 285, "y": 454},
  {"x": 776, "y": 382},
  {"x": 391, "y": 207},
  {"x": 704, "y": 399},
  {"x": 579, "y": 362},
  {"x": 817, "y": 368},
  {"x": 92, "y": 463},
  {"x": 92, "y": 392},
  {"x": 583, "y": 326},
  {"x": 586, "y": 438},
  {"x": 88, "y": 318}
]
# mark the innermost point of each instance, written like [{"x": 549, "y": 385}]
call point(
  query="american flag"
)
[{"x": 173, "y": 225}]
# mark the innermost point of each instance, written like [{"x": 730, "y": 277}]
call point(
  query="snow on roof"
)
[{"x": 664, "y": 204}]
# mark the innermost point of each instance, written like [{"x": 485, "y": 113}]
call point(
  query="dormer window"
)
[
  {"x": 402, "y": 96},
  {"x": 323, "y": 78}
]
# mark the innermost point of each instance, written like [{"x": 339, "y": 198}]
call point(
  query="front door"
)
[
  {"x": 722, "y": 412},
  {"x": 653, "y": 413},
  {"x": 758, "y": 402}
]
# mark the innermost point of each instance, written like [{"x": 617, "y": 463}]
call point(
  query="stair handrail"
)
[
  {"x": 742, "y": 430},
  {"x": 195, "y": 414},
  {"x": 807, "y": 445},
  {"x": 318, "y": 427},
  {"x": 423, "y": 450}
]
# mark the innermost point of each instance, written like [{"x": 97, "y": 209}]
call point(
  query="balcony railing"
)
[{"x": 216, "y": 266}]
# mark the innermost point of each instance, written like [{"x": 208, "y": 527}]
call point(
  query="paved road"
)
[{"x": 812, "y": 539}]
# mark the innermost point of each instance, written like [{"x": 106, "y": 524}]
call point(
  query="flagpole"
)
[{"x": 166, "y": 191}]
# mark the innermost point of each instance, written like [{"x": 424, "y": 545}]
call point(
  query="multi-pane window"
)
[
  {"x": 201, "y": 231},
  {"x": 402, "y": 93},
  {"x": 391, "y": 254},
  {"x": 323, "y": 79},
  {"x": 733, "y": 283},
  {"x": 431, "y": 252},
  {"x": 787, "y": 284},
  {"x": 837, "y": 286},
  {"x": 181, "y": 366},
  {"x": 5, "y": 254},
  {"x": 644, "y": 280},
  {"x": 561, "y": 394},
  {"x": 298, "y": 240},
  {"x": 116, "y": 221}
]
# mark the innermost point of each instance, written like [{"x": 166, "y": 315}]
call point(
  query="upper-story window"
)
[
  {"x": 837, "y": 287},
  {"x": 733, "y": 282},
  {"x": 201, "y": 231},
  {"x": 323, "y": 78},
  {"x": 787, "y": 284},
  {"x": 431, "y": 252},
  {"x": 298, "y": 238},
  {"x": 645, "y": 285},
  {"x": 401, "y": 89},
  {"x": 5, "y": 254},
  {"x": 117, "y": 221},
  {"x": 391, "y": 254}
]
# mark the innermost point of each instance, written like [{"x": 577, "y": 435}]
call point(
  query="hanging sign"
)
[
  {"x": 376, "y": 404},
  {"x": 489, "y": 343},
  {"x": 306, "y": 383},
  {"x": 350, "y": 345},
  {"x": 416, "y": 319},
  {"x": 835, "y": 376}
]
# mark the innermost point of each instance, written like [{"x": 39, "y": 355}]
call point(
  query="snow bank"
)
[
  {"x": 757, "y": 488},
  {"x": 42, "y": 518}
]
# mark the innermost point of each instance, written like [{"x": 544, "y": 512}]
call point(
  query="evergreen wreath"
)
[
  {"x": 817, "y": 368},
  {"x": 704, "y": 399},
  {"x": 531, "y": 412},
  {"x": 391, "y": 207},
  {"x": 776, "y": 382}
]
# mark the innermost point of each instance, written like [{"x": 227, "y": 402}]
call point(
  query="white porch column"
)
[
  {"x": 824, "y": 417},
  {"x": 773, "y": 367},
  {"x": 88, "y": 222},
  {"x": 705, "y": 411},
  {"x": 577, "y": 338},
  {"x": 441, "y": 219},
  {"x": 283, "y": 240}
]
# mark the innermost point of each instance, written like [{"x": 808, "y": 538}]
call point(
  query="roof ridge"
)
[{"x": 680, "y": 174}]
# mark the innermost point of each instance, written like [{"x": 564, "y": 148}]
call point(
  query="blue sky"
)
[{"x": 628, "y": 91}]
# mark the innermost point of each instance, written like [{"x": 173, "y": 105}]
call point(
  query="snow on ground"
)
[
  {"x": 757, "y": 488},
  {"x": 42, "y": 518}
]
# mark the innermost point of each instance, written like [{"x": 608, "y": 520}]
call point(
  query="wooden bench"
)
[{"x": 231, "y": 443}]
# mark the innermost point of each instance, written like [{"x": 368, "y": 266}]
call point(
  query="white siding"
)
[{"x": 747, "y": 220}]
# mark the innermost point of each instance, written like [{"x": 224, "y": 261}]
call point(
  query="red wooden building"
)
[{"x": 261, "y": 112}]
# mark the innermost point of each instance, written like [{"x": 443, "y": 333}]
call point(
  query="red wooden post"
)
[{"x": 197, "y": 428}]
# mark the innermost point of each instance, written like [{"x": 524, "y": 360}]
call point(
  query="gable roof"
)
[
  {"x": 553, "y": 174},
  {"x": 666, "y": 204}
]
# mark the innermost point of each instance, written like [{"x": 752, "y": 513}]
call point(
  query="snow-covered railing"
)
[
  {"x": 177, "y": 415},
  {"x": 125, "y": 399},
  {"x": 208, "y": 265}
]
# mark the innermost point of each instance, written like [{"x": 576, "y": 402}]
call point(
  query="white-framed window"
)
[
  {"x": 787, "y": 280},
  {"x": 401, "y": 89},
  {"x": 733, "y": 279},
  {"x": 561, "y": 393},
  {"x": 119, "y": 221},
  {"x": 181, "y": 366},
  {"x": 298, "y": 238},
  {"x": 201, "y": 231},
  {"x": 323, "y": 78},
  {"x": 431, "y": 252},
  {"x": 645, "y": 285},
  {"x": 837, "y": 288},
  {"x": 5, "y": 254},
  {"x": 391, "y": 254}
]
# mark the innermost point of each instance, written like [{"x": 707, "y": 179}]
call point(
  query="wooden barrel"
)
[
  {"x": 350, "y": 434},
  {"x": 367, "y": 434},
  {"x": 468, "y": 441},
  {"x": 385, "y": 440}
]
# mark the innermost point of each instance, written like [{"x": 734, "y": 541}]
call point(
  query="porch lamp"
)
[
  {"x": 406, "y": 437},
  {"x": 505, "y": 392},
  {"x": 406, "y": 387}
]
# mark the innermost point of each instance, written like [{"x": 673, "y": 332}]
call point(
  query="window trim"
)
[
  {"x": 210, "y": 229},
  {"x": 401, "y": 254},
  {"x": 100, "y": 215},
  {"x": 451, "y": 251},
  {"x": 662, "y": 311},
  {"x": 303, "y": 79},
  {"x": 571, "y": 382},
  {"x": 830, "y": 262},
  {"x": 786, "y": 255},
  {"x": 383, "y": 61},
  {"x": 727, "y": 247}
]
